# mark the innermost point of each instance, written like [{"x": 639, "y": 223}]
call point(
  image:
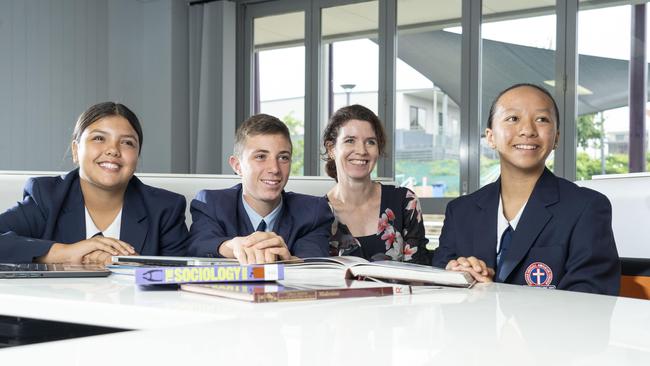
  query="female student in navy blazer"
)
[
  {"x": 530, "y": 227},
  {"x": 99, "y": 209}
]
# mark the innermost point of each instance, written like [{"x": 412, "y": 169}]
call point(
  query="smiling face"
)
[
  {"x": 524, "y": 129},
  {"x": 264, "y": 165},
  {"x": 356, "y": 150},
  {"x": 107, "y": 153}
]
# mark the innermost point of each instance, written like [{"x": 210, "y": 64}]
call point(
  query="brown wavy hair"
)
[{"x": 338, "y": 119}]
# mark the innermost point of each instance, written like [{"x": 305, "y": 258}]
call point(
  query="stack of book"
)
[{"x": 310, "y": 279}]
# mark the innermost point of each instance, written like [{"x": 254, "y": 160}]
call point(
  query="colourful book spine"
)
[
  {"x": 300, "y": 295},
  {"x": 217, "y": 273},
  {"x": 254, "y": 292}
]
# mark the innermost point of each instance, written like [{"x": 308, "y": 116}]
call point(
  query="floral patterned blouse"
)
[{"x": 400, "y": 231}]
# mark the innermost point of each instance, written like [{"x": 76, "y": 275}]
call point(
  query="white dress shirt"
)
[
  {"x": 112, "y": 231},
  {"x": 502, "y": 222}
]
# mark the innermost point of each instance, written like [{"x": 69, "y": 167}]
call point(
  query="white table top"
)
[{"x": 487, "y": 325}]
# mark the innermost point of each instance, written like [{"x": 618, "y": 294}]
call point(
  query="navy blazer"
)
[
  {"x": 566, "y": 227},
  {"x": 219, "y": 215},
  {"x": 53, "y": 211}
]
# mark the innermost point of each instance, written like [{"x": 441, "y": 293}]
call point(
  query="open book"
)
[{"x": 328, "y": 268}]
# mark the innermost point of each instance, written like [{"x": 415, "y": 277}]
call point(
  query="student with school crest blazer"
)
[
  {"x": 566, "y": 227},
  {"x": 257, "y": 221},
  {"x": 59, "y": 218},
  {"x": 530, "y": 227}
]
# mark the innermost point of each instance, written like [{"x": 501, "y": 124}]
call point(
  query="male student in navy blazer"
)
[{"x": 257, "y": 221}]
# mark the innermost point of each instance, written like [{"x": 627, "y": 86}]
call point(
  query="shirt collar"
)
[
  {"x": 112, "y": 231},
  {"x": 502, "y": 222},
  {"x": 270, "y": 219}
]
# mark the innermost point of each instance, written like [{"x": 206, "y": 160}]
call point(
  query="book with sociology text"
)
[{"x": 214, "y": 273}]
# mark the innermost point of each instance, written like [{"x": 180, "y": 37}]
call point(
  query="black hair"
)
[
  {"x": 106, "y": 109},
  {"x": 515, "y": 86}
]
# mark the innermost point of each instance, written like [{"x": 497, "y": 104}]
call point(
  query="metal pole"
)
[
  {"x": 603, "y": 166},
  {"x": 638, "y": 87}
]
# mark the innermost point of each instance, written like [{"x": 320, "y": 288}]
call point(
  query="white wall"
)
[
  {"x": 57, "y": 57},
  {"x": 630, "y": 199}
]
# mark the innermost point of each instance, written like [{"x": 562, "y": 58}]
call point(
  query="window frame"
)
[{"x": 566, "y": 71}]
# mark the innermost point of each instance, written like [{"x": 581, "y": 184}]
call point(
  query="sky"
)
[{"x": 602, "y": 32}]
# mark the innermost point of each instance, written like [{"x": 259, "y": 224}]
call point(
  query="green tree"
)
[
  {"x": 297, "y": 131},
  {"x": 587, "y": 167},
  {"x": 588, "y": 129}
]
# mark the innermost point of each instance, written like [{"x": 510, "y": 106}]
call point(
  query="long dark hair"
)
[{"x": 106, "y": 109}]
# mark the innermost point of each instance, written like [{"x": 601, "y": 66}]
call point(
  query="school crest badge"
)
[{"x": 538, "y": 274}]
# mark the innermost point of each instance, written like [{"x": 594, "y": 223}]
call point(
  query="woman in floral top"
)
[{"x": 374, "y": 221}]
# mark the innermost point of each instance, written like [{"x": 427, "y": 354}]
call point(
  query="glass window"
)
[
  {"x": 518, "y": 47},
  {"x": 427, "y": 125},
  {"x": 279, "y": 42},
  {"x": 603, "y": 123},
  {"x": 350, "y": 58},
  {"x": 417, "y": 118}
]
